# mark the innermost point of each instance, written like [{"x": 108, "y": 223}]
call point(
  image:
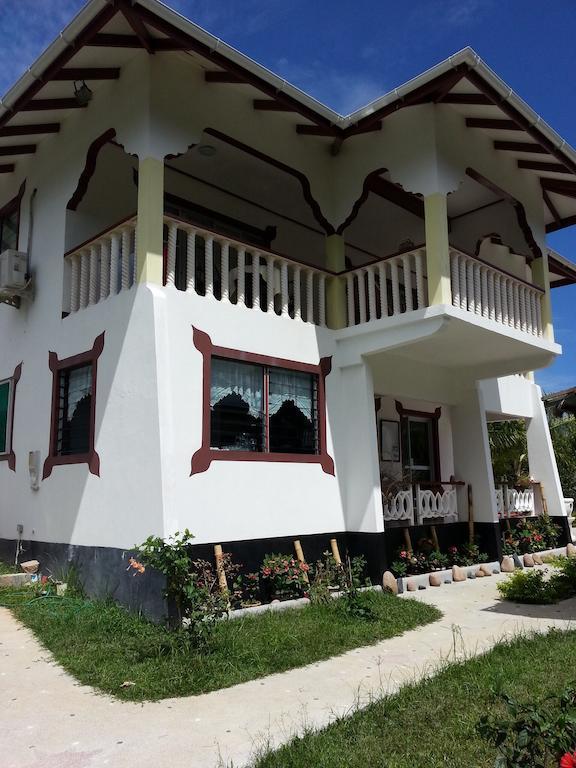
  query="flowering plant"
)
[
  {"x": 246, "y": 590},
  {"x": 568, "y": 760},
  {"x": 285, "y": 576}
]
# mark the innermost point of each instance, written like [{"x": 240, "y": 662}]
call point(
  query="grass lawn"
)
[
  {"x": 432, "y": 723},
  {"x": 103, "y": 645},
  {"x": 5, "y": 568}
]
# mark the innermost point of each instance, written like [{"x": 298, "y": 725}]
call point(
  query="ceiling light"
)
[
  {"x": 207, "y": 150},
  {"x": 83, "y": 93}
]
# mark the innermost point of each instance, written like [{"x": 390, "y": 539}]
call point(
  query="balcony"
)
[{"x": 214, "y": 266}]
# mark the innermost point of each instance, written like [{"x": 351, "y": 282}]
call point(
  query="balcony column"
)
[
  {"x": 437, "y": 249},
  {"x": 335, "y": 286},
  {"x": 473, "y": 466},
  {"x": 541, "y": 278},
  {"x": 149, "y": 227},
  {"x": 541, "y": 458}
]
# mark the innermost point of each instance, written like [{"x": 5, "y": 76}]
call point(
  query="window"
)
[
  {"x": 10, "y": 222},
  {"x": 420, "y": 444},
  {"x": 259, "y": 408},
  {"x": 74, "y": 407},
  {"x": 72, "y": 431},
  {"x": 5, "y": 412}
]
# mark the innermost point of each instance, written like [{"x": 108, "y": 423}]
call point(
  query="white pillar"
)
[
  {"x": 541, "y": 458},
  {"x": 359, "y": 447},
  {"x": 472, "y": 459}
]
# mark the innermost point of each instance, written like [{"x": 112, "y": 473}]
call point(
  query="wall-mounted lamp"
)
[
  {"x": 83, "y": 93},
  {"x": 207, "y": 150}
]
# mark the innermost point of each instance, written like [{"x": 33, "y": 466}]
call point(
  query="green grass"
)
[
  {"x": 6, "y": 568},
  {"x": 432, "y": 723},
  {"x": 103, "y": 645}
]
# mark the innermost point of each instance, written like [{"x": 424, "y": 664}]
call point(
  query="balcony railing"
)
[
  {"x": 414, "y": 504},
  {"x": 494, "y": 294},
  {"x": 209, "y": 264},
  {"x": 511, "y": 502},
  {"x": 102, "y": 267},
  {"x": 212, "y": 265}
]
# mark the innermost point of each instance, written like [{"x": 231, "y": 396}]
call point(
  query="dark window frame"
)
[
  {"x": 205, "y": 455},
  {"x": 9, "y": 454},
  {"x": 57, "y": 366},
  {"x": 267, "y": 436},
  {"x": 12, "y": 207}
]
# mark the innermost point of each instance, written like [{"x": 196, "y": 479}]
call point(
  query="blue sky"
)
[{"x": 347, "y": 53}]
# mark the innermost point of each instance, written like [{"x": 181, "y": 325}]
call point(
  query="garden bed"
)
[
  {"x": 433, "y": 723},
  {"x": 104, "y": 646}
]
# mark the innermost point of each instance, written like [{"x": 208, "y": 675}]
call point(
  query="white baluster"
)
[
  {"x": 126, "y": 242},
  {"x": 297, "y": 304},
  {"x": 270, "y": 282},
  {"x": 93, "y": 279},
  {"x": 371, "y": 294},
  {"x": 209, "y": 265},
  {"x": 350, "y": 298},
  {"x": 361, "y": 295},
  {"x": 191, "y": 260},
  {"x": 504, "y": 296},
  {"x": 255, "y": 280},
  {"x": 454, "y": 279},
  {"x": 74, "y": 282},
  {"x": 470, "y": 302},
  {"x": 485, "y": 306},
  {"x": 171, "y": 263},
  {"x": 396, "y": 306},
  {"x": 406, "y": 269},
  {"x": 134, "y": 259},
  {"x": 241, "y": 290},
  {"x": 322, "y": 304},
  {"x": 310, "y": 296},
  {"x": 533, "y": 303},
  {"x": 105, "y": 269},
  {"x": 420, "y": 291},
  {"x": 491, "y": 302},
  {"x": 522, "y": 300},
  {"x": 383, "y": 289},
  {"x": 114, "y": 263},
  {"x": 462, "y": 268},
  {"x": 516, "y": 294},
  {"x": 284, "y": 288},
  {"x": 225, "y": 271},
  {"x": 84, "y": 278},
  {"x": 498, "y": 297},
  {"x": 477, "y": 290},
  {"x": 539, "y": 314}
]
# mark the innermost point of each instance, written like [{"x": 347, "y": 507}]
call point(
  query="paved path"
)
[{"x": 49, "y": 721}]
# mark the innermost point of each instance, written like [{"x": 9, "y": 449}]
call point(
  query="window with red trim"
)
[{"x": 262, "y": 409}]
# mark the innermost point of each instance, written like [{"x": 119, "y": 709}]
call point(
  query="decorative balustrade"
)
[
  {"x": 511, "y": 501},
  {"x": 415, "y": 504},
  {"x": 102, "y": 267},
  {"x": 385, "y": 288},
  {"x": 496, "y": 295},
  {"x": 212, "y": 265}
]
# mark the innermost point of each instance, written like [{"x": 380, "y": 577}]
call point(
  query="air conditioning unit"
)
[{"x": 13, "y": 278}]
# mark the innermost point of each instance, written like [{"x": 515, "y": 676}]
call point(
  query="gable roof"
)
[{"x": 105, "y": 33}]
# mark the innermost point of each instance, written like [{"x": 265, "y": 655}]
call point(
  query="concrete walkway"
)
[{"x": 50, "y": 721}]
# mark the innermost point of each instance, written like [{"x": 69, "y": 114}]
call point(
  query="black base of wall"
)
[
  {"x": 487, "y": 537},
  {"x": 103, "y": 570}
]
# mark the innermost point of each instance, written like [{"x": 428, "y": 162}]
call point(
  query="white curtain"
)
[
  {"x": 232, "y": 377},
  {"x": 290, "y": 385}
]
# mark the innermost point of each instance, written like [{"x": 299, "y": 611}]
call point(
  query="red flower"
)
[{"x": 568, "y": 761}]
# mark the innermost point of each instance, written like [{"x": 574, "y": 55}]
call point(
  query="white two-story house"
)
[{"x": 237, "y": 311}]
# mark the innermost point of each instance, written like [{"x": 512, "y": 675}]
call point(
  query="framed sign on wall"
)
[{"x": 389, "y": 440}]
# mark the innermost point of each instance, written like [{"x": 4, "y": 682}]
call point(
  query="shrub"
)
[
  {"x": 527, "y": 587},
  {"x": 192, "y": 588},
  {"x": 285, "y": 576},
  {"x": 246, "y": 590},
  {"x": 532, "y": 736}
]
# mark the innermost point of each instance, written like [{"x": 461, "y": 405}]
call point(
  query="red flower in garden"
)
[{"x": 568, "y": 761}]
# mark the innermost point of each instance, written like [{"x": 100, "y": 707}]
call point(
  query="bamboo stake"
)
[
  {"x": 220, "y": 568},
  {"x": 300, "y": 556},
  {"x": 407, "y": 540},
  {"x": 335, "y": 551},
  {"x": 434, "y": 537},
  {"x": 470, "y": 516},
  {"x": 543, "y": 499}
]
